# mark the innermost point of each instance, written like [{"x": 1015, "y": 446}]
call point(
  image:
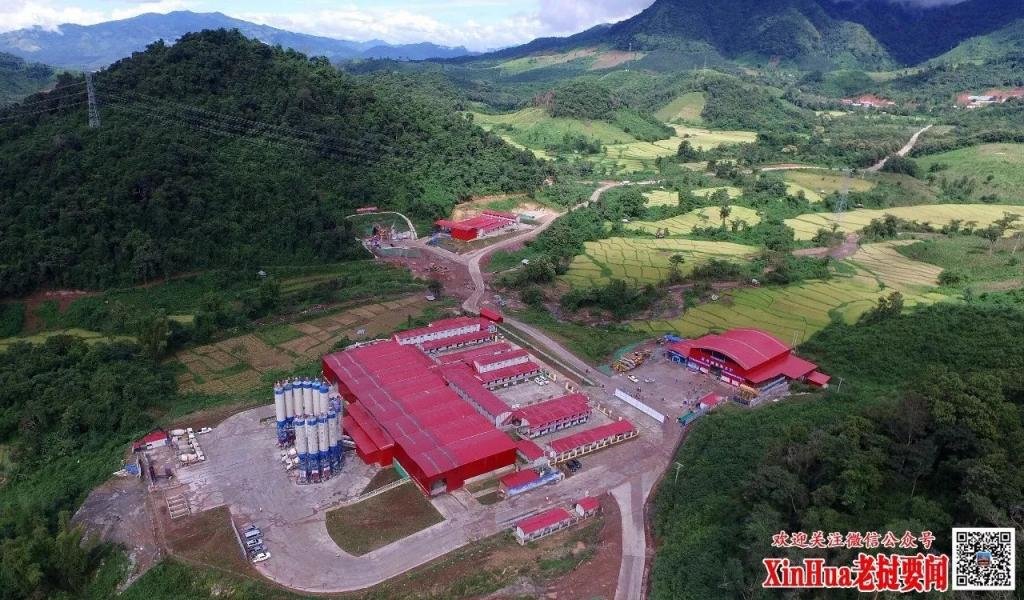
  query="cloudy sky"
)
[{"x": 477, "y": 24}]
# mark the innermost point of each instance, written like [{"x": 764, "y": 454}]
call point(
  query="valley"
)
[{"x": 595, "y": 316}]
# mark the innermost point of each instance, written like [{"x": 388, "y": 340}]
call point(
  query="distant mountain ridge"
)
[
  {"x": 89, "y": 47},
  {"x": 19, "y": 78}
]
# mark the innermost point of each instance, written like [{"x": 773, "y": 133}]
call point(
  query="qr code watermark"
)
[{"x": 984, "y": 559}]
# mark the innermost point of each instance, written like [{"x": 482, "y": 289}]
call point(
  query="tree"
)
[
  {"x": 888, "y": 307},
  {"x": 153, "y": 335},
  {"x": 436, "y": 287},
  {"x": 687, "y": 153}
]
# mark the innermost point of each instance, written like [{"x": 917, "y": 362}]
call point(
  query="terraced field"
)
[
  {"x": 687, "y": 107},
  {"x": 983, "y": 215},
  {"x": 662, "y": 198},
  {"x": 704, "y": 217},
  {"x": 827, "y": 182},
  {"x": 734, "y": 192},
  {"x": 644, "y": 260},
  {"x": 812, "y": 196},
  {"x": 794, "y": 313},
  {"x": 534, "y": 127},
  {"x": 894, "y": 270}
]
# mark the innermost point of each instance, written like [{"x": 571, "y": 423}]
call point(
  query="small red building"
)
[
  {"x": 152, "y": 440},
  {"x": 746, "y": 357},
  {"x": 487, "y": 222}
]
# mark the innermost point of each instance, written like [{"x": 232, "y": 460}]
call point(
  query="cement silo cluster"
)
[{"x": 308, "y": 416}]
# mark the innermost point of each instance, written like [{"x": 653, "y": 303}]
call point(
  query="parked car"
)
[
  {"x": 262, "y": 556},
  {"x": 254, "y": 542},
  {"x": 252, "y": 534},
  {"x": 633, "y": 378},
  {"x": 574, "y": 465}
]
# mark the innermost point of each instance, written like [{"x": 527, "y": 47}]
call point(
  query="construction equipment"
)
[{"x": 631, "y": 361}]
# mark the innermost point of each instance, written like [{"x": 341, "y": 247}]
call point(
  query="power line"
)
[
  {"x": 45, "y": 110},
  {"x": 224, "y": 124},
  {"x": 48, "y": 100}
]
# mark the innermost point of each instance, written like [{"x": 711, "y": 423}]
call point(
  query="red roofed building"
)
[
  {"x": 400, "y": 409},
  {"x": 746, "y": 357},
  {"x": 710, "y": 401},
  {"x": 586, "y": 507},
  {"x": 591, "y": 440},
  {"x": 517, "y": 479},
  {"x": 868, "y": 101},
  {"x": 444, "y": 329},
  {"x": 489, "y": 221},
  {"x": 152, "y": 440},
  {"x": 491, "y": 315},
  {"x": 542, "y": 524},
  {"x": 457, "y": 341},
  {"x": 552, "y": 415},
  {"x": 530, "y": 453}
]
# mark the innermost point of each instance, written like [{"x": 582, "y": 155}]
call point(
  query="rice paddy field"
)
[
  {"x": 533, "y": 128},
  {"x": 734, "y": 192},
  {"x": 686, "y": 108},
  {"x": 703, "y": 217},
  {"x": 983, "y": 215},
  {"x": 645, "y": 260},
  {"x": 794, "y": 313},
  {"x": 827, "y": 182},
  {"x": 1003, "y": 162},
  {"x": 662, "y": 198}
]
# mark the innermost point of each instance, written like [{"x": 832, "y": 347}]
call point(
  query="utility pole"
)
[
  {"x": 94, "y": 112},
  {"x": 676, "y": 480}
]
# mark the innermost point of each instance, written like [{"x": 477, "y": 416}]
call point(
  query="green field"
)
[
  {"x": 90, "y": 337},
  {"x": 685, "y": 108},
  {"x": 530, "y": 63},
  {"x": 983, "y": 215},
  {"x": 703, "y": 217},
  {"x": 371, "y": 524},
  {"x": 532, "y": 128},
  {"x": 794, "y": 313},
  {"x": 644, "y": 260},
  {"x": 734, "y": 192},
  {"x": 662, "y": 198},
  {"x": 1004, "y": 163},
  {"x": 827, "y": 182},
  {"x": 969, "y": 257}
]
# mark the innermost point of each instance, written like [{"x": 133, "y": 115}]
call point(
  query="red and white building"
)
[
  {"x": 710, "y": 401},
  {"x": 446, "y": 329},
  {"x": 591, "y": 440},
  {"x": 587, "y": 507},
  {"x": 747, "y": 358},
  {"x": 157, "y": 438},
  {"x": 552, "y": 415},
  {"x": 868, "y": 101},
  {"x": 542, "y": 524},
  {"x": 531, "y": 454},
  {"x": 486, "y": 223}
]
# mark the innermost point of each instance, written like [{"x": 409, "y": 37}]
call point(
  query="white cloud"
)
[
  {"x": 548, "y": 18},
  {"x": 18, "y": 14}
]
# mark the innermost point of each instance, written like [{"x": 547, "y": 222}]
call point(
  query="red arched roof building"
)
[{"x": 747, "y": 357}]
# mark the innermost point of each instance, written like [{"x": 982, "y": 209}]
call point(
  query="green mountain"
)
[
  {"x": 19, "y": 78},
  {"x": 996, "y": 45},
  {"x": 810, "y": 34},
  {"x": 222, "y": 151},
  {"x": 799, "y": 31}
]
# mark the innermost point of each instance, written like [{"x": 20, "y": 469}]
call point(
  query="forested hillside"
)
[
  {"x": 221, "y": 151},
  {"x": 19, "y": 78},
  {"x": 926, "y": 442}
]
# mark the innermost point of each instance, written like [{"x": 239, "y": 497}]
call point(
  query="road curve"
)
[{"x": 905, "y": 150}]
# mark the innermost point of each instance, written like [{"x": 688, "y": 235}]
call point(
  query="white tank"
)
[
  {"x": 177, "y": 432},
  {"x": 307, "y": 398},
  {"x": 332, "y": 429},
  {"x": 188, "y": 458},
  {"x": 279, "y": 409},
  {"x": 322, "y": 390},
  {"x": 323, "y": 438},
  {"x": 300, "y": 436},
  {"x": 312, "y": 436},
  {"x": 289, "y": 400}
]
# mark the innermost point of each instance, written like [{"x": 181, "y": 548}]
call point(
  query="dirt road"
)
[{"x": 905, "y": 150}]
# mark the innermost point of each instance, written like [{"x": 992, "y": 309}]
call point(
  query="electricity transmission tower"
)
[
  {"x": 94, "y": 112},
  {"x": 844, "y": 197}
]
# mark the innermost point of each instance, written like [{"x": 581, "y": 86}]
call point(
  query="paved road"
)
[
  {"x": 905, "y": 150},
  {"x": 242, "y": 472}
]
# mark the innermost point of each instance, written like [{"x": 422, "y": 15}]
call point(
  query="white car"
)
[
  {"x": 262, "y": 556},
  {"x": 633, "y": 378}
]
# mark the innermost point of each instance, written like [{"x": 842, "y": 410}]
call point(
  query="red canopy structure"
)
[{"x": 747, "y": 357}]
